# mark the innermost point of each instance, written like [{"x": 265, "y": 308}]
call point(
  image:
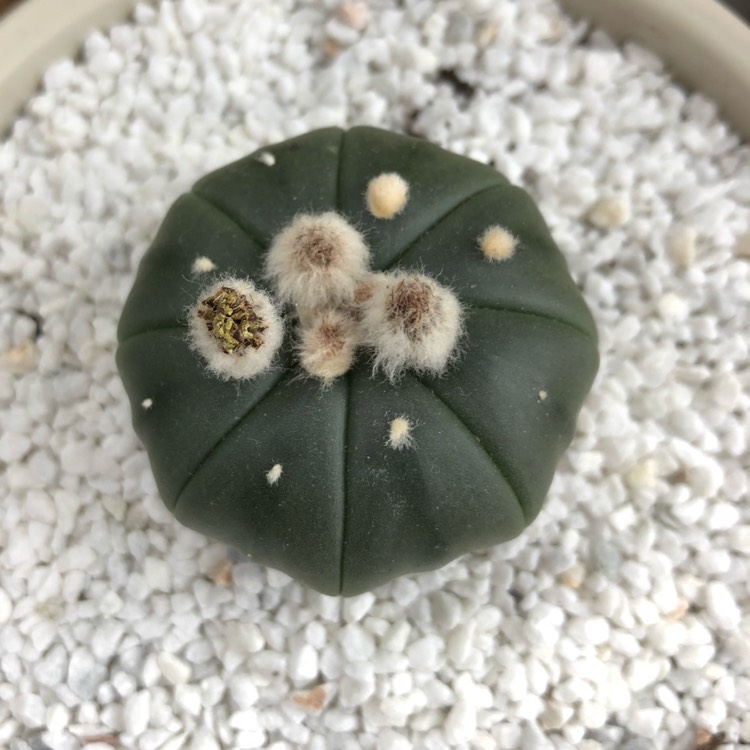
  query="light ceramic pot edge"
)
[
  {"x": 704, "y": 45},
  {"x": 38, "y": 32}
]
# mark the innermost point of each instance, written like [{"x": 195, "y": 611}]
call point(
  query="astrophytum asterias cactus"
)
[{"x": 355, "y": 355}]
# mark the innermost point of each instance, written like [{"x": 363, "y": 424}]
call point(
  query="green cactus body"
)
[{"x": 307, "y": 479}]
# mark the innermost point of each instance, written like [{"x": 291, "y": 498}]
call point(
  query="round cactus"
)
[{"x": 355, "y": 355}]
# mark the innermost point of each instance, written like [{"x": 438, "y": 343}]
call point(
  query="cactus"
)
[{"x": 355, "y": 355}]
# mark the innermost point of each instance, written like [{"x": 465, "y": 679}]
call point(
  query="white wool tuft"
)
[
  {"x": 249, "y": 362},
  {"x": 400, "y": 433},
  {"x": 386, "y": 329},
  {"x": 274, "y": 474},
  {"x": 387, "y": 195},
  {"x": 327, "y": 346},
  {"x": 202, "y": 264},
  {"x": 497, "y": 243},
  {"x": 316, "y": 260}
]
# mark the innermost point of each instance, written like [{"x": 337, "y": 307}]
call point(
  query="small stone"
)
[
  {"x": 424, "y": 653},
  {"x": 158, "y": 574},
  {"x": 313, "y": 700},
  {"x": 303, "y": 664},
  {"x": 356, "y": 643},
  {"x": 137, "y": 713},
  {"x": 29, "y": 709},
  {"x": 671, "y": 307},
  {"x": 356, "y": 607},
  {"x": 243, "y": 691},
  {"x": 354, "y": 13},
  {"x": 460, "y": 724},
  {"x": 640, "y": 673},
  {"x": 85, "y": 674},
  {"x": 21, "y": 358},
  {"x": 610, "y": 212},
  {"x": 742, "y": 246},
  {"x": 642, "y": 475},
  {"x": 173, "y": 669},
  {"x": 6, "y": 607},
  {"x": 223, "y": 573},
  {"x": 681, "y": 246},
  {"x": 722, "y": 606},
  {"x": 646, "y": 722}
]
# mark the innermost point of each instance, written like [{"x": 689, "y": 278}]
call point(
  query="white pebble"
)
[
  {"x": 137, "y": 712},
  {"x": 174, "y": 670},
  {"x": 610, "y": 212},
  {"x": 303, "y": 664},
  {"x": 722, "y": 606}
]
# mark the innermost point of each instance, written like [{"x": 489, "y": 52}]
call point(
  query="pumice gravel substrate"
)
[{"x": 620, "y": 619}]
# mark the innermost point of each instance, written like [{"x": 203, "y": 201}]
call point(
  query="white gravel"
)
[{"x": 619, "y": 620}]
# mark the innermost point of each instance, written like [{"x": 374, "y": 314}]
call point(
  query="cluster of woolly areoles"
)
[{"x": 319, "y": 267}]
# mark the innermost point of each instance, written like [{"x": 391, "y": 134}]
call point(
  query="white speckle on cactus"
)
[
  {"x": 274, "y": 474},
  {"x": 412, "y": 322},
  {"x": 202, "y": 264},
  {"x": 317, "y": 260},
  {"x": 610, "y": 212},
  {"x": 327, "y": 346},
  {"x": 399, "y": 435},
  {"x": 146, "y": 404},
  {"x": 543, "y": 395},
  {"x": 235, "y": 328},
  {"x": 387, "y": 194},
  {"x": 497, "y": 243},
  {"x": 267, "y": 158}
]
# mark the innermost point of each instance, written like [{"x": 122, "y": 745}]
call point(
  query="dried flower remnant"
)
[
  {"x": 317, "y": 260},
  {"x": 412, "y": 322},
  {"x": 497, "y": 243},
  {"x": 327, "y": 346},
  {"x": 387, "y": 195},
  {"x": 236, "y": 328}
]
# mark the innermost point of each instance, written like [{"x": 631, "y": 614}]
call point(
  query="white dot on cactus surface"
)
[
  {"x": 543, "y": 395},
  {"x": 399, "y": 435},
  {"x": 147, "y": 403},
  {"x": 202, "y": 264},
  {"x": 267, "y": 158},
  {"x": 317, "y": 260},
  {"x": 274, "y": 474},
  {"x": 387, "y": 195},
  {"x": 497, "y": 243},
  {"x": 235, "y": 347}
]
